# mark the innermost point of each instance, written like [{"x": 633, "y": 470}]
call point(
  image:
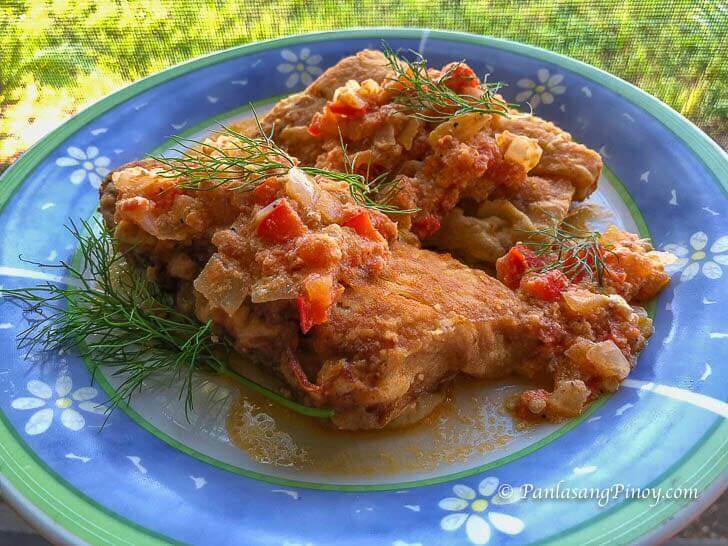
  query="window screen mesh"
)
[{"x": 58, "y": 56}]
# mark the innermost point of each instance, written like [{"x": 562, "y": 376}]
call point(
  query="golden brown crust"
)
[
  {"x": 562, "y": 157},
  {"x": 290, "y": 117}
]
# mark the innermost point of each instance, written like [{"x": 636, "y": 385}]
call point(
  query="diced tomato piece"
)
[
  {"x": 512, "y": 267},
  {"x": 324, "y": 123},
  {"x": 341, "y": 109},
  {"x": 546, "y": 287},
  {"x": 361, "y": 222},
  {"x": 314, "y": 128},
  {"x": 426, "y": 226},
  {"x": 462, "y": 76},
  {"x": 308, "y": 316},
  {"x": 281, "y": 223},
  {"x": 265, "y": 192},
  {"x": 314, "y": 302}
]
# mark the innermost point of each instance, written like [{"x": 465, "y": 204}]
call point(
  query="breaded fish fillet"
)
[
  {"x": 357, "y": 321},
  {"x": 439, "y": 175},
  {"x": 291, "y": 116},
  {"x": 426, "y": 318}
]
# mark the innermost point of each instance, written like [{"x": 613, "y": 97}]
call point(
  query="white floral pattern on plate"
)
[
  {"x": 90, "y": 164},
  {"x": 301, "y": 66},
  {"x": 46, "y": 404},
  {"x": 541, "y": 91},
  {"x": 689, "y": 260},
  {"x": 470, "y": 510}
]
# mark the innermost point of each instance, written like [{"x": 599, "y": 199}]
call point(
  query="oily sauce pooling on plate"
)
[{"x": 470, "y": 423}]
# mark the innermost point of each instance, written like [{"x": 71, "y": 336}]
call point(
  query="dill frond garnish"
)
[
  {"x": 242, "y": 164},
  {"x": 429, "y": 99},
  {"x": 576, "y": 252},
  {"x": 113, "y": 317},
  {"x": 374, "y": 193},
  {"x": 245, "y": 162}
]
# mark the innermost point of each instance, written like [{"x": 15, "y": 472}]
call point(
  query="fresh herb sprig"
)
[
  {"x": 115, "y": 318},
  {"x": 427, "y": 98},
  {"x": 242, "y": 164},
  {"x": 245, "y": 162},
  {"x": 576, "y": 252},
  {"x": 374, "y": 193}
]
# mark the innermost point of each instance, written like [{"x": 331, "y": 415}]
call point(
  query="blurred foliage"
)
[{"x": 58, "y": 55}]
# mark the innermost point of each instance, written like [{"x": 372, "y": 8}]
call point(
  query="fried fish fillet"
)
[
  {"x": 446, "y": 174},
  {"x": 290, "y": 117},
  {"x": 354, "y": 320},
  {"x": 426, "y": 318}
]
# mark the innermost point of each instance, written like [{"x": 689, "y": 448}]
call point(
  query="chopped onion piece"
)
[
  {"x": 273, "y": 289},
  {"x": 608, "y": 360},
  {"x": 620, "y": 304},
  {"x": 660, "y": 257},
  {"x": 301, "y": 188},
  {"x": 223, "y": 284},
  {"x": 461, "y": 127},
  {"x": 519, "y": 149},
  {"x": 584, "y": 302},
  {"x": 568, "y": 398}
]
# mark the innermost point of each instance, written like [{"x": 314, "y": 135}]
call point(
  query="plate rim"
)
[{"x": 701, "y": 145}]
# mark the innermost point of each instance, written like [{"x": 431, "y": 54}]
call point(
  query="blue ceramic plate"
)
[{"x": 151, "y": 477}]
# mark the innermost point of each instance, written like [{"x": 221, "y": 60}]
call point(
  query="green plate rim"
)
[{"x": 16, "y": 457}]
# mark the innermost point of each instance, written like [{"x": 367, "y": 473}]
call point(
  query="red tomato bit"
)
[
  {"x": 426, "y": 226},
  {"x": 361, "y": 222},
  {"x": 462, "y": 76},
  {"x": 314, "y": 303},
  {"x": 265, "y": 192},
  {"x": 345, "y": 110},
  {"x": 512, "y": 268},
  {"x": 281, "y": 223},
  {"x": 546, "y": 287},
  {"x": 314, "y": 128}
]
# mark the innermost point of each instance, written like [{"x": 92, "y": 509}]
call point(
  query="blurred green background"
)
[{"x": 58, "y": 56}]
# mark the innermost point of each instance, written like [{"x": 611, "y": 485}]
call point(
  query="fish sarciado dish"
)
[
  {"x": 349, "y": 293},
  {"x": 385, "y": 230}
]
